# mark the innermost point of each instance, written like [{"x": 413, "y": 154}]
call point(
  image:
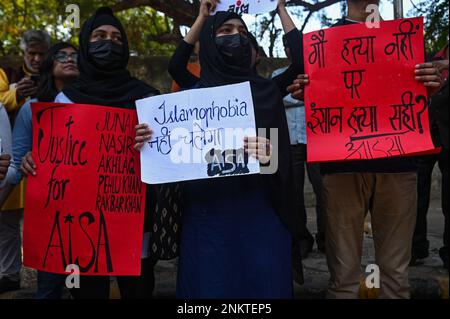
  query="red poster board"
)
[
  {"x": 363, "y": 101},
  {"x": 85, "y": 206}
]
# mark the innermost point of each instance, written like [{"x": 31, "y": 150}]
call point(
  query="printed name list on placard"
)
[
  {"x": 198, "y": 134},
  {"x": 363, "y": 101},
  {"x": 85, "y": 206}
]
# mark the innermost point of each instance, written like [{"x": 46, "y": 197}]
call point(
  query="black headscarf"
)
[
  {"x": 269, "y": 113},
  {"x": 253, "y": 41},
  {"x": 105, "y": 87}
]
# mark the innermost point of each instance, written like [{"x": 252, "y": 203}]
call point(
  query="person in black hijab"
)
[
  {"x": 226, "y": 58},
  {"x": 179, "y": 60},
  {"x": 237, "y": 231},
  {"x": 105, "y": 80},
  {"x": 221, "y": 66}
]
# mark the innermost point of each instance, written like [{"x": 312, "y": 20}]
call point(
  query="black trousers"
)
[
  {"x": 131, "y": 287},
  {"x": 426, "y": 165},
  {"x": 298, "y": 157}
]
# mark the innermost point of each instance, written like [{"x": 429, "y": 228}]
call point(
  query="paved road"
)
[{"x": 428, "y": 279}]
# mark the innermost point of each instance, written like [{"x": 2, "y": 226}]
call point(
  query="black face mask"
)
[
  {"x": 235, "y": 50},
  {"x": 106, "y": 54}
]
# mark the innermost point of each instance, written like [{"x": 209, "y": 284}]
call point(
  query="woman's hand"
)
[
  {"x": 430, "y": 76},
  {"x": 143, "y": 135},
  {"x": 206, "y": 7},
  {"x": 28, "y": 167},
  {"x": 5, "y": 160},
  {"x": 441, "y": 65},
  {"x": 286, "y": 20},
  {"x": 297, "y": 87},
  {"x": 259, "y": 148}
]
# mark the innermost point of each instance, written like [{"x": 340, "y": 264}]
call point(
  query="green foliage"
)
[
  {"x": 153, "y": 33},
  {"x": 436, "y": 17},
  {"x": 17, "y": 16}
]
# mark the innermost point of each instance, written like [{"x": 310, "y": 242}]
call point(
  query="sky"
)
[{"x": 334, "y": 12}]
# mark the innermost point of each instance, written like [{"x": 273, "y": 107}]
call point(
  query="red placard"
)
[
  {"x": 363, "y": 101},
  {"x": 85, "y": 206}
]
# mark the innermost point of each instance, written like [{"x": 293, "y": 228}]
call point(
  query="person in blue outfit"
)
[
  {"x": 237, "y": 231},
  {"x": 58, "y": 70}
]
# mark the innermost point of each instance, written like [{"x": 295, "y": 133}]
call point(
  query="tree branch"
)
[
  {"x": 306, "y": 20},
  {"x": 166, "y": 38},
  {"x": 312, "y": 6},
  {"x": 183, "y": 12}
]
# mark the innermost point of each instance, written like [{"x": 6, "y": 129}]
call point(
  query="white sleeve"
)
[{"x": 62, "y": 98}]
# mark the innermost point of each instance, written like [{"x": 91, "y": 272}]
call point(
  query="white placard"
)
[
  {"x": 198, "y": 134},
  {"x": 247, "y": 6}
]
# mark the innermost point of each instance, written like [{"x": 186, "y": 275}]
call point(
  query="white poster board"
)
[
  {"x": 198, "y": 134},
  {"x": 247, "y": 6}
]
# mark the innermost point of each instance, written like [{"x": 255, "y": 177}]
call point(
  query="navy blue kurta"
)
[{"x": 233, "y": 244}]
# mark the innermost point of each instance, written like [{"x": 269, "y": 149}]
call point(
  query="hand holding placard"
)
[
  {"x": 197, "y": 134},
  {"x": 88, "y": 194},
  {"x": 247, "y": 6},
  {"x": 363, "y": 100}
]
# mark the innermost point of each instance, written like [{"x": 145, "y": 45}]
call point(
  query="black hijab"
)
[
  {"x": 105, "y": 87},
  {"x": 269, "y": 113}
]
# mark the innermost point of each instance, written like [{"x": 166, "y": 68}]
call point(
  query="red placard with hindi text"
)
[
  {"x": 85, "y": 206},
  {"x": 363, "y": 101}
]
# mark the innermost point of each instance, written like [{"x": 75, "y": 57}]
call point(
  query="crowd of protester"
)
[{"x": 251, "y": 246}]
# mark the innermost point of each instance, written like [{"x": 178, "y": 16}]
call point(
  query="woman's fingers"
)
[
  {"x": 140, "y": 141},
  {"x": 424, "y": 65},
  {"x": 5, "y": 159},
  {"x": 427, "y": 71},
  {"x": 428, "y": 78},
  {"x": 262, "y": 156},
  {"x": 293, "y": 87},
  {"x": 138, "y": 146},
  {"x": 4, "y": 164},
  {"x": 28, "y": 166},
  {"x": 302, "y": 82},
  {"x": 297, "y": 87},
  {"x": 143, "y": 138},
  {"x": 214, "y": 4},
  {"x": 143, "y": 134},
  {"x": 432, "y": 84},
  {"x": 141, "y": 126},
  {"x": 209, "y": 6},
  {"x": 259, "y": 148},
  {"x": 30, "y": 160},
  {"x": 302, "y": 79},
  {"x": 296, "y": 91}
]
